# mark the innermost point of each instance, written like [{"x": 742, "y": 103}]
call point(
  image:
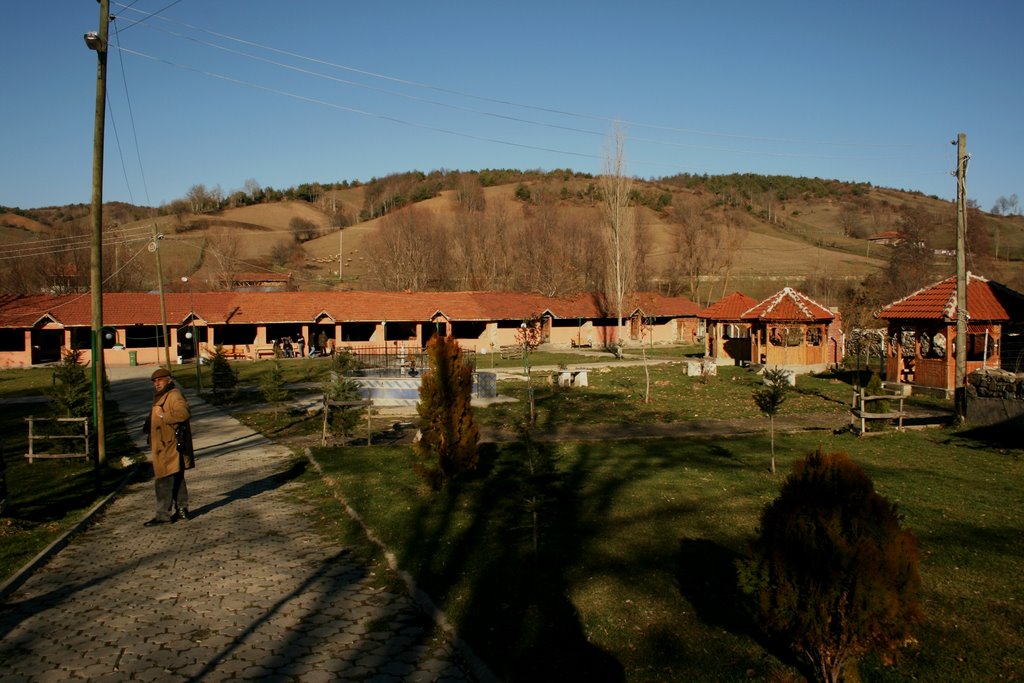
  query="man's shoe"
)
[
  {"x": 180, "y": 513},
  {"x": 156, "y": 521}
]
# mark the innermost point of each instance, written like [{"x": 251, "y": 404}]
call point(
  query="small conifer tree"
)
[
  {"x": 342, "y": 387},
  {"x": 770, "y": 398},
  {"x": 71, "y": 393},
  {"x": 832, "y": 573},
  {"x": 70, "y": 396},
  {"x": 448, "y": 436},
  {"x": 223, "y": 376},
  {"x": 273, "y": 388}
]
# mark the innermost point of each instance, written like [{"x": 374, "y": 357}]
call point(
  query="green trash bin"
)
[{"x": 133, "y": 358}]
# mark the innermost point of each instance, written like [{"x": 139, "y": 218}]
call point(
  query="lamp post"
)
[
  {"x": 195, "y": 337},
  {"x": 384, "y": 332},
  {"x": 97, "y": 41}
]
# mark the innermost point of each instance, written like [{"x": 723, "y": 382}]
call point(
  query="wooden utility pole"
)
[
  {"x": 960, "y": 398},
  {"x": 163, "y": 306},
  {"x": 98, "y": 42}
]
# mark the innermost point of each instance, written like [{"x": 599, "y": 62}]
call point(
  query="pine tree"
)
[
  {"x": 343, "y": 388},
  {"x": 223, "y": 376},
  {"x": 831, "y": 572},
  {"x": 448, "y": 436},
  {"x": 71, "y": 393},
  {"x": 273, "y": 388}
]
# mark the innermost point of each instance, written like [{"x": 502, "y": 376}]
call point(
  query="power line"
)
[
  {"x": 131, "y": 117},
  {"x": 505, "y": 102}
]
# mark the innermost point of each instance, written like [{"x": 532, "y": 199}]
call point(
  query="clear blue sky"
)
[{"x": 221, "y": 91}]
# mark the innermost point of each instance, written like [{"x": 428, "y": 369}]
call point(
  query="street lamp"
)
[{"x": 195, "y": 337}]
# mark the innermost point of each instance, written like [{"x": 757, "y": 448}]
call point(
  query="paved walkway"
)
[{"x": 247, "y": 589}]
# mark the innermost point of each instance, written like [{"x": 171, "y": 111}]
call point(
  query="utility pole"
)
[
  {"x": 960, "y": 395},
  {"x": 98, "y": 42},
  {"x": 155, "y": 246}
]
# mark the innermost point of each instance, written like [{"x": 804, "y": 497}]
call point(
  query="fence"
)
[
  {"x": 397, "y": 359},
  {"x": 34, "y": 437}
]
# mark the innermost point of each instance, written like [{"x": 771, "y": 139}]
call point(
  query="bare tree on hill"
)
[
  {"x": 620, "y": 223},
  {"x": 222, "y": 248},
  {"x": 407, "y": 250}
]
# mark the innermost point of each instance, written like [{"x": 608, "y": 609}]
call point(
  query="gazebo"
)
[
  {"x": 790, "y": 330},
  {"x": 921, "y": 332},
  {"x": 727, "y": 335}
]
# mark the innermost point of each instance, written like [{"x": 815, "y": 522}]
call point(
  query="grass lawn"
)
[
  {"x": 611, "y": 559},
  {"x": 616, "y": 395},
  {"x": 48, "y": 497}
]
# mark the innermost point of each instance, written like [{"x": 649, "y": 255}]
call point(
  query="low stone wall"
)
[
  {"x": 995, "y": 383},
  {"x": 995, "y": 397}
]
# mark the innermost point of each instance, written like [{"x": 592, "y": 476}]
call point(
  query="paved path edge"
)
[
  {"x": 425, "y": 603},
  {"x": 23, "y": 574}
]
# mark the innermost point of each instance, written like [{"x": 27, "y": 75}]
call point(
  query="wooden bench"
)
[
  {"x": 235, "y": 352},
  {"x": 860, "y": 411},
  {"x": 580, "y": 344},
  {"x": 263, "y": 352},
  {"x": 511, "y": 351}
]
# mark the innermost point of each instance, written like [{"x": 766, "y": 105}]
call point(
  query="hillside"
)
[{"x": 781, "y": 231}]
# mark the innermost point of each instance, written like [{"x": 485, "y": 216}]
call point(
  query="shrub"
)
[
  {"x": 874, "y": 388},
  {"x": 832, "y": 573},
  {"x": 447, "y": 446}
]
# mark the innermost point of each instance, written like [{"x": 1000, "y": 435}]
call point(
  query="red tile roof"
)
[
  {"x": 731, "y": 307},
  {"x": 788, "y": 305},
  {"x": 986, "y": 301},
  {"x": 120, "y": 308}
]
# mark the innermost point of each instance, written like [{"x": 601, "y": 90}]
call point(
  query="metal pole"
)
[
  {"x": 98, "y": 42},
  {"x": 195, "y": 337}
]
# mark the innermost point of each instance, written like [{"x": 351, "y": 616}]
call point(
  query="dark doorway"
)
[{"x": 46, "y": 345}]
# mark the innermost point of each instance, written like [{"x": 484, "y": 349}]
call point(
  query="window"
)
[
  {"x": 786, "y": 336},
  {"x": 12, "y": 340},
  {"x": 734, "y": 331},
  {"x": 814, "y": 336}
]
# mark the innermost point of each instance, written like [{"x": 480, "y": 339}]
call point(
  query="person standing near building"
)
[{"x": 170, "y": 440}]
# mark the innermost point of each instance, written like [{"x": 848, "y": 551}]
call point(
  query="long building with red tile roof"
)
[{"x": 39, "y": 328}]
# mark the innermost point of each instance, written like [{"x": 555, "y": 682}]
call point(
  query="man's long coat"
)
[{"x": 170, "y": 410}]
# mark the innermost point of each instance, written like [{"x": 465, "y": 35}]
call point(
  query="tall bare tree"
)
[
  {"x": 404, "y": 251},
  {"x": 620, "y": 221},
  {"x": 222, "y": 249}
]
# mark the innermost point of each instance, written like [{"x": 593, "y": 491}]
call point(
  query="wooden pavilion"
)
[
  {"x": 727, "y": 335},
  {"x": 921, "y": 332},
  {"x": 790, "y": 330}
]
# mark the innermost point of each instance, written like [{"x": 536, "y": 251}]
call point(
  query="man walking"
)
[{"x": 170, "y": 439}]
